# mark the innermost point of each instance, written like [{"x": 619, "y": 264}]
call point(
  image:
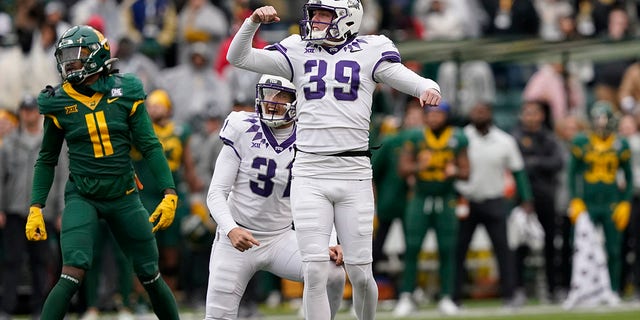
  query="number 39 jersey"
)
[
  {"x": 259, "y": 199},
  {"x": 334, "y": 95}
]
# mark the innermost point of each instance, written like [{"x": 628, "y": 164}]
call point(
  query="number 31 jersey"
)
[
  {"x": 334, "y": 95},
  {"x": 259, "y": 199}
]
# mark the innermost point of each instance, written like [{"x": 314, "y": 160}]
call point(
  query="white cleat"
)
[
  {"x": 405, "y": 306},
  {"x": 447, "y": 307},
  {"x": 125, "y": 315},
  {"x": 90, "y": 315}
]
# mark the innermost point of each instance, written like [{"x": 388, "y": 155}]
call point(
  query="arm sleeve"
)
[
  {"x": 522, "y": 185},
  {"x": 403, "y": 79},
  {"x": 145, "y": 140},
  {"x": 242, "y": 55},
  {"x": 224, "y": 177},
  {"x": 625, "y": 158},
  {"x": 44, "y": 171}
]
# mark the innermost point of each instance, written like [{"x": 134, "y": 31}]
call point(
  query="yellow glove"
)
[
  {"x": 166, "y": 211},
  {"x": 35, "y": 229},
  {"x": 621, "y": 215},
  {"x": 199, "y": 210},
  {"x": 576, "y": 208}
]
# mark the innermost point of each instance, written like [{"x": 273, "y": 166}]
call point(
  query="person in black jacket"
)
[{"x": 543, "y": 160}]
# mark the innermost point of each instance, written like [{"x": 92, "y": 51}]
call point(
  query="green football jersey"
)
[
  {"x": 99, "y": 126},
  {"x": 443, "y": 149},
  {"x": 596, "y": 162}
]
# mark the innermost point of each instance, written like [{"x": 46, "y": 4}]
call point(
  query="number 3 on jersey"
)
[
  {"x": 347, "y": 72},
  {"x": 265, "y": 177}
]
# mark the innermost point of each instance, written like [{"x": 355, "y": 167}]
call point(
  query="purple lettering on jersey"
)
[
  {"x": 346, "y": 71},
  {"x": 321, "y": 71},
  {"x": 265, "y": 178},
  {"x": 353, "y": 78}
]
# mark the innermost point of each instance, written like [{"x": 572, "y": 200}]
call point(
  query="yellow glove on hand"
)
[
  {"x": 166, "y": 211},
  {"x": 621, "y": 215},
  {"x": 200, "y": 210},
  {"x": 35, "y": 229},
  {"x": 576, "y": 208}
]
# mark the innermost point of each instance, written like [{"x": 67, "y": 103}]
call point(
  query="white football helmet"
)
[
  {"x": 269, "y": 89},
  {"x": 347, "y": 17}
]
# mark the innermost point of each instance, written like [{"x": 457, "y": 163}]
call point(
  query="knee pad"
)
[
  {"x": 360, "y": 274},
  {"x": 316, "y": 274},
  {"x": 146, "y": 271},
  {"x": 336, "y": 277}
]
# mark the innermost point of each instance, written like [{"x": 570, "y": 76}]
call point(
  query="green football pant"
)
[
  {"x": 424, "y": 212},
  {"x": 601, "y": 214}
]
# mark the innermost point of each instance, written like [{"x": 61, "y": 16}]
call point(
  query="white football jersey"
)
[
  {"x": 259, "y": 199},
  {"x": 334, "y": 95}
]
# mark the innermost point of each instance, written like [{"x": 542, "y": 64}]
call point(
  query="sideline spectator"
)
[{"x": 492, "y": 152}]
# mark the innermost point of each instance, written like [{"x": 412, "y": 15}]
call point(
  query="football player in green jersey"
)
[
  {"x": 596, "y": 158},
  {"x": 436, "y": 157},
  {"x": 100, "y": 115}
]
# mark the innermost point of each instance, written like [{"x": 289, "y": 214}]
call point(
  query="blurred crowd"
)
[{"x": 178, "y": 48}]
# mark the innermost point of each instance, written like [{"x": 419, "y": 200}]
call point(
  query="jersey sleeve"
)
[
  {"x": 44, "y": 171},
  {"x": 463, "y": 141},
  {"x": 47, "y": 99},
  {"x": 625, "y": 156},
  {"x": 233, "y": 128},
  {"x": 385, "y": 50}
]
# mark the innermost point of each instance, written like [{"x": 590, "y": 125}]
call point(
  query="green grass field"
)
[{"x": 475, "y": 311}]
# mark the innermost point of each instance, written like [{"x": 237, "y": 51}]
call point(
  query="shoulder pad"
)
[
  {"x": 127, "y": 85},
  {"x": 237, "y": 123},
  {"x": 47, "y": 98}
]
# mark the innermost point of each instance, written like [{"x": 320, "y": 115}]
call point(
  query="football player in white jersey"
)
[
  {"x": 249, "y": 199},
  {"x": 335, "y": 72}
]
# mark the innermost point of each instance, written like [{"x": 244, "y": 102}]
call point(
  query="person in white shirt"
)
[
  {"x": 492, "y": 153},
  {"x": 249, "y": 199},
  {"x": 335, "y": 71}
]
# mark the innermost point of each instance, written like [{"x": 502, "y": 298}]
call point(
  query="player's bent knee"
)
[
  {"x": 337, "y": 276},
  {"x": 72, "y": 273},
  {"x": 146, "y": 271},
  {"x": 360, "y": 275}
]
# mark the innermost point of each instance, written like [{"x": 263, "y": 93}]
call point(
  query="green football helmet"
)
[
  {"x": 85, "y": 45},
  {"x": 603, "y": 119}
]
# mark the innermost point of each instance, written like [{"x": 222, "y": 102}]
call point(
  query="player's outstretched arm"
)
[{"x": 404, "y": 80}]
